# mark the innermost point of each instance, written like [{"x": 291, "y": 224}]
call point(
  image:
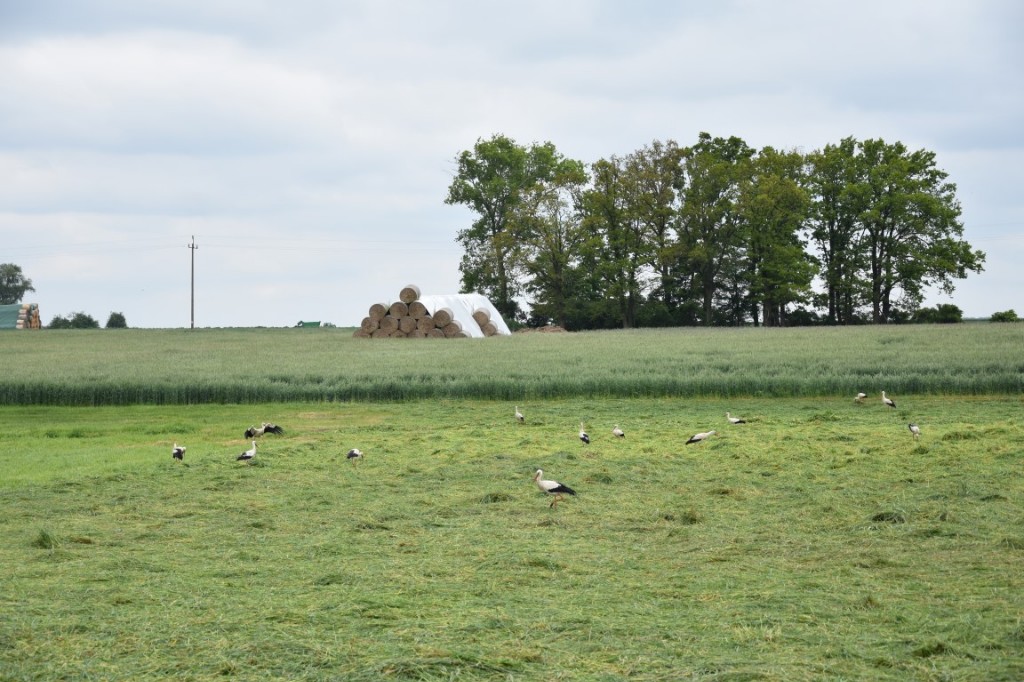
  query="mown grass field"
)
[{"x": 819, "y": 541}]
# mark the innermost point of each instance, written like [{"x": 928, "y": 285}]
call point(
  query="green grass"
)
[
  {"x": 817, "y": 542},
  {"x": 165, "y": 367}
]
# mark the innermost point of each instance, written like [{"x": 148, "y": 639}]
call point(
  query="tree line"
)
[{"x": 715, "y": 233}]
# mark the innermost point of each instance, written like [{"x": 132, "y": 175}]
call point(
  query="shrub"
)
[
  {"x": 74, "y": 321},
  {"x": 944, "y": 313},
  {"x": 1005, "y": 316},
  {"x": 117, "y": 321}
]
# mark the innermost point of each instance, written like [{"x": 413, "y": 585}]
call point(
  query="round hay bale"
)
[
  {"x": 406, "y": 324},
  {"x": 361, "y": 334},
  {"x": 452, "y": 329},
  {"x": 489, "y": 328},
  {"x": 417, "y": 334},
  {"x": 388, "y": 324},
  {"x": 378, "y": 310},
  {"x": 462, "y": 335},
  {"x": 482, "y": 316},
  {"x": 399, "y": 309},
  {"x": 418, "y": 310},
  {"x": 380, "y": 334},
  {"x": 369, "y": 324},
  {"x": 399, "y": 334},
  {"x": 409, "y": 293},
  {"x": 436, "y": 333},
  {"x": 425, "y": 323},
  {"x": 443, "y": 317}
]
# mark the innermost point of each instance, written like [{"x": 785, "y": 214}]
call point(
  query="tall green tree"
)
[
  {"x": 655, "y": 173},
  {"x": 490, "y": 180},
  {"x": 774, "y": 205},
  {"x": 912, "y": 229},
  {"x": 610, "y": 217},
  {"x": 709, "y": 224},
  {"x": 835, "y": 181},
  {"x": 548, "y": 222},
  {"x": 13, "y": 284}
]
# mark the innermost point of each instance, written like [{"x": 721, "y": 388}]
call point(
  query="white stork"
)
[
  {"x": 734, "y": 420},
  {"x": 355, "y": 454},
  {"x": 248, "y": 454},
  {"x": 178, "y": 451},
  {"x": 914, "y": 429},
  {"x": 584, "y": 438},
  {"x": 860, "y": 397},
  {"x": 888, "y": 401},
  {"x": 698, "y": 437},
  {"x": 618, "y": 433},
  {"x": 552, "y": 487},
  {"x": 253, "y": 432},
  {"x": 519, "y": 416}
]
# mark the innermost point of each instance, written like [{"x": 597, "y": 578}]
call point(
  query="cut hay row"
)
[{"x": 410, "y": 317}]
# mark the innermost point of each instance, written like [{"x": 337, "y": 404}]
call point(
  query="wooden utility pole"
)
[{"x": 192, "y": 317}]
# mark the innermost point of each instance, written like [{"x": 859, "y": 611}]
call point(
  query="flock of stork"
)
[
  {"x": 558, "y": 490},
  {"x": 252, "y": 433},
  {"x": 554, "y": 488}
]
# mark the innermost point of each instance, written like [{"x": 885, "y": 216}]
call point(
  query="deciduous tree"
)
[
  {"x": 490, "y": 180},
  {"x": 13, "y": 284}
]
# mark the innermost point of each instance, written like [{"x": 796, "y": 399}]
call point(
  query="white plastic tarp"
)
[{"x": 462, "y": 307}]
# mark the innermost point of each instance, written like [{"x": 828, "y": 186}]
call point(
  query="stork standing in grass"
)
[
  {"x": 178, "y": 452},
  {"x": 618, "y": 433},
  {"x": 698, "y": 437},
  {"x": 355, "y": 454},
  {"x": 248, "y": 454},
  {"x": 734, "y": 420},
  {"x": 552, "y": 487},
  {"x": 519, "y": 416},
  {"x": 860, "y": 397},
  {"x": 914, "y": 429},
  {"x": 584, "y": 438},
  {"x": 888, "y": 401}
]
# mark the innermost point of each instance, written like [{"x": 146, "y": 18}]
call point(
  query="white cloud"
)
[{"x": 309, "y": 146}]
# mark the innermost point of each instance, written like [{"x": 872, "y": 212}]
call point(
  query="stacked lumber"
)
[
  {"x": 20, "y": 316},
  {"x": 417, "y": 317}
]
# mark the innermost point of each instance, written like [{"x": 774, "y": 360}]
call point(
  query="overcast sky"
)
[{"x": 308, "y": 145}]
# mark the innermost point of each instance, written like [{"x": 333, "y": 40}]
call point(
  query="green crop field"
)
[
  {"x": 124, "y": 367},
  {"x": 818, "y": 541}
]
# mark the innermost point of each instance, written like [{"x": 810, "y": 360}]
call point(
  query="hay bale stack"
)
[
  {"x": 20, "y": 316},
  {"x": 455, "y": 316}
]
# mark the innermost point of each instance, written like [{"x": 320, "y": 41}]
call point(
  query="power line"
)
[{"x": 192, "y": 316}]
